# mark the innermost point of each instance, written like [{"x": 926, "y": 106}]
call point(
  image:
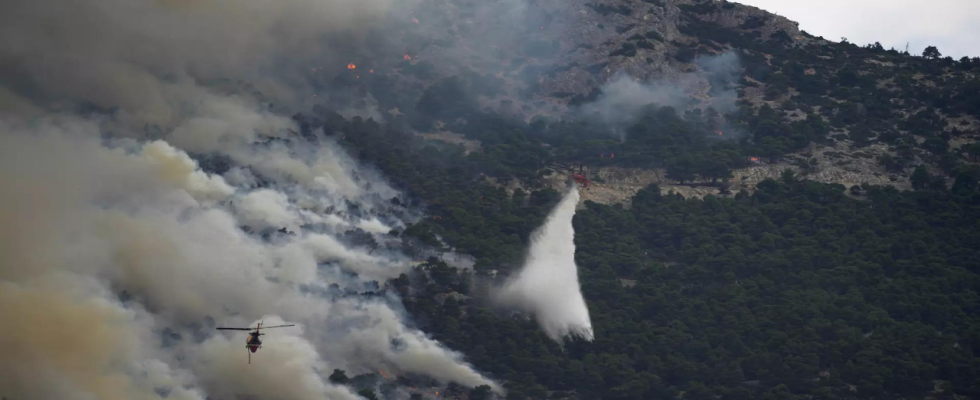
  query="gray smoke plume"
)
[
  {"x": 722, "y": 72},
  {"x": 86, "y": 221},
  {"x": 119, "y": 254},
  {"x": 548, "y": 286},
  {"x": 149, "y": 57},
  {"x": 623, "y": 97}
]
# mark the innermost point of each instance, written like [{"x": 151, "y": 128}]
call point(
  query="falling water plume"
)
[{"x": 548, "y": 284}]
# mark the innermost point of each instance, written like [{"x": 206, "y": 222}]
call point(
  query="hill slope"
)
[
  {"x": 579, "y": 76},
  {"x": 780, "y": 287},
  {"x": 372, "y": 170}
]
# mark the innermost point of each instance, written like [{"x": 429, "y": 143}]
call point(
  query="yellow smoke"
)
[{"x": 55, "y": 345}]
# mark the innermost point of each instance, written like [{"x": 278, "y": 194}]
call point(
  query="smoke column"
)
[
  {"x": 623, "y": 98},
  {"x": 548, "y": 284},
  {"x": 120, "y": 252}
]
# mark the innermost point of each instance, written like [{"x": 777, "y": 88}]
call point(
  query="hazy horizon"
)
[{"x": 950, "y": 25}]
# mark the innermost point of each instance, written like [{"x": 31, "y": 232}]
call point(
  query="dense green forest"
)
[{"x": 797, "y": 290}]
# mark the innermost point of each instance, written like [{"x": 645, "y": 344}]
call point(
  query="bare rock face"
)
[
  {"x": 574, "y": 81},
  {"x": 557, "y": 51},
  {"x": 601, "y": 29},
  {"x": 600, "y": 38},
  {"x": 842, "y": 164},
  {"x": 743, "y": 17},
  {"x": 542, "y": 54}
]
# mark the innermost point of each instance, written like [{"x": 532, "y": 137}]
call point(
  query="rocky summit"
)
[{"x": 779, "y": 97}]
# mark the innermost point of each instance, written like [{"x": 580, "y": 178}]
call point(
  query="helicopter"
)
[
  {"x": 578, "y": 177},
  {"x": 253, "y": 344}
]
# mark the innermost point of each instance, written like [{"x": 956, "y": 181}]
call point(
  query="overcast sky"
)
[{"x": 951, "y": 25}]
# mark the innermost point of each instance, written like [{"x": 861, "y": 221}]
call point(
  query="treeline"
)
[{"x": 866, "y": 94}]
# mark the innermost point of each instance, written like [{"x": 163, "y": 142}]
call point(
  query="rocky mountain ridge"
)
[
  {"x": 833, "y": 112},
  {"x": 660, "y": 40}
]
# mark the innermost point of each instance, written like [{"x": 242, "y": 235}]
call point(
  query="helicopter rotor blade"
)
[
  {"x": 277, "y": 326},
  {"x": 234, "y": 329}
]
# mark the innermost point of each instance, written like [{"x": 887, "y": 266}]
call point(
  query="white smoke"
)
[
  {"x": 178, "y": 167},
  {"x": 548, "y": 284},
  {"x": 119, "y": 254},
  {"x": 85, "y": 220},
  {"x": 147, "y": 56},
  {"x": 624, "y": 97},
  {"x": 374, "y": 226}
]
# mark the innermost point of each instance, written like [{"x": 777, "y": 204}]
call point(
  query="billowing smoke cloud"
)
[
  {"x": 149, "y": 56},
  {"x": 119, "y": 254},
  {"x": 623, "y": 97},
  {"x": 220, "y": 367},
  {"x": 85, "y": 222},
  {"x": 61, "y": 341},
  {"x": 548, "y": 284}
]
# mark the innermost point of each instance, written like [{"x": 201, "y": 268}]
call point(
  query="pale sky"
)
[{"x": 951, "y": 25}]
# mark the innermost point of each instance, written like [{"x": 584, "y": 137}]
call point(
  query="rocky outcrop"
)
[
  {"x": 469, "y": 146},
  {"x": 748, "y": 18},
  {"x": 557, "y": 51},
  {"x": 841, "y": 164}
]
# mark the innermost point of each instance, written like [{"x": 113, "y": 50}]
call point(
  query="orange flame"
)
[
  {"x": 755, "y": 158},
  {"x": 351, "y": 66},
  {"x": 415, "y": 20},
  {"x": 370, "y": 71},
  {"x": 407, "y": 57},
  {"x": 612, "y": 155},
  {"x": 719, "y": 132}
]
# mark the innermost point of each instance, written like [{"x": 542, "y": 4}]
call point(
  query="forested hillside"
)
[
  {"x": 791, "y": 290},
  {"x": 796, "y": 290},
  {"x": 741, "y": 87}
]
